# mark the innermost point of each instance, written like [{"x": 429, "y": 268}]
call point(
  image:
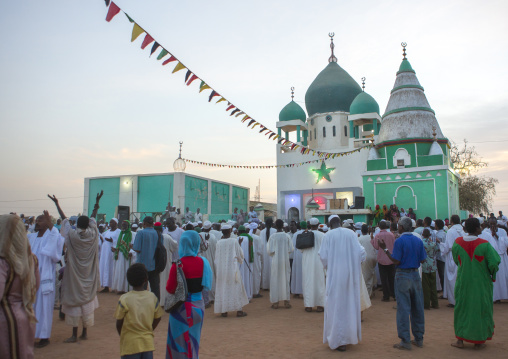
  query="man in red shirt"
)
[{"x": 385, "y": 265}]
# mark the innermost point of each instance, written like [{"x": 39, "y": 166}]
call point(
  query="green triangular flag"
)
[
  {"x": 128, "y": 17},
  {"x": 162, "y": 54}
]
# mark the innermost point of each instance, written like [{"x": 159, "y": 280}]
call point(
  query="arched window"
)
[
  {"x": 324, "y": 131},
  {"x": 334, "y": 133},
  {"x": 345, "y": 131},
  {"x": 314, "y": 133}
]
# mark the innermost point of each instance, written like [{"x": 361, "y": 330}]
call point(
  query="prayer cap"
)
[
  {"x": 358, "y": 225},
  {"x": 285, "y": 224},
  {"x": 413, "y": 223},
  {"x": 133, "y": 226},
  {"x": 199, "y": 222},
  {"x": 253, "y": 225},
  {"x": 345, "y": 225},
  {"x": 303, "y": 224},
  {"x": 433, "y": 224},
  {"x": 114, "y": 219},
  {"x": 195, "y": 224},
  {"x": 225, "y": 226},
  {"x": 332, "y": 217},
  {"x": 314, "y": 221},
  {"x": 241, "y": 229},
  {"x": 157, "y": 224},
  {"x": 350, "y": 221},
  {"x": 207, "y": 225},
  {"x": 103, "y": 225},
  {"x": 325, "y": 228}
]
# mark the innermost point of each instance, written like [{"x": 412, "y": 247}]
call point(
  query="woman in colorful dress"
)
[
  {"x": 19, "y": 281},
  {"x": 185, "y": 322}
]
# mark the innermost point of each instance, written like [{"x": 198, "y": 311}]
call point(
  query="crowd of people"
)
[{"x": 336, "y": 267}]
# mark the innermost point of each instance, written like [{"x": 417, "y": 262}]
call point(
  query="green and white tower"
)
[{"x": 410, "y": 163}]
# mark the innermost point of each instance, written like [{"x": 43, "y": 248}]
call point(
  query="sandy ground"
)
[{"x": 283, "y": 333}]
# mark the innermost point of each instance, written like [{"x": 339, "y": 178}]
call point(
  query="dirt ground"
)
[{"x": 283, "y": 333}]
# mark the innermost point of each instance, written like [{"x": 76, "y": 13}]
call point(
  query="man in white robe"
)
[
  {"x": 341, "y": 255},
  {"x": 175, "y": 232},
  {"x": 267, "y": 260},
  {"x": 313, "y": 273},
  {"x": 445, "y": 247},
  {"x": 296, "y": 268},
  {"x": 229, "y": 291},
  {"x": 497, "y": 237},
  {"x": 47, "y": 244},
  {"x": 369, "y": 265},
  {"x": 120, "y": 262},
  {"x": 216, "y": 231},
  {"x": 209, "y": 254},
  {"x": 172, "y": 254},
  {"x": 259, "y": 249},
  {"x": 247, "y": 266},
  {"x": 279, "y": 246},
  {"x": 106, "y": 265}
]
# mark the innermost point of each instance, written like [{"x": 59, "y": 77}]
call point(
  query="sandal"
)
[
  {"x": 275, "y": 306},
  {"x": 308, "y": 310},
  {"x": 287, "y": 305},
  {"x": 458, "y": 345},
  {"x": 320, "y": 310},
  {"x": 241, "y": 314},
  {"x": 342, "y": 348}
]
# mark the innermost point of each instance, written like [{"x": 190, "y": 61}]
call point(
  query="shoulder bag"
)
[
  {"x": 305, "y": 240},
  {"x": 174, "y": 301}
]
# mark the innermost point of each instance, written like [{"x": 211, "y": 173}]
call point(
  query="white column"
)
[
  {"x": 179, "y": 191},
  {"x": 230, "y": 199},
  {"x": 86, "y": 196},
  {"x": 209, "y": 207}
]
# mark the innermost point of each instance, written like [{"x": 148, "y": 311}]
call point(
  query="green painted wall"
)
[
  {"x": 154, "y": 192},
  {"x": 220, "y": 198},
  {"x": 110, "y": 200},
  {"x": 410, "y": 148},
  {"x": 196, "y": 194},
  {"x": 240, "y": 198}
]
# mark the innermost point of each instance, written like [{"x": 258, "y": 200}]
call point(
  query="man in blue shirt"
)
[
  {"x": 145, "y": 245},
  {"x": 408, "y": 254}
]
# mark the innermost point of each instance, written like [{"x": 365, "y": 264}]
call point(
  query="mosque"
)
[{"x": 401, "y": 157}]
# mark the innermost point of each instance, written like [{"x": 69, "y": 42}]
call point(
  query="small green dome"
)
[
  {"x": 405, "y": 66},
  {"x": 332, "y": 90},
  {"x": 292, "y": 111},
  {"x": 363, "y": 103}
]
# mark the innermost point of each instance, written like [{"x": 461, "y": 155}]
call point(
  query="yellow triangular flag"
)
[
  {"x": 257, "y": 123},
  {"x": 136, "y": 31},
  {"x": 178, "y": 67},
  {"x": 221, "y": 99},
  {"x": 275, "y": 137},
  {"x": 204, "y": 87}
]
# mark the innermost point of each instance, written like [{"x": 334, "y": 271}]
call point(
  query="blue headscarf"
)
[{"x": 189, "y": 247}]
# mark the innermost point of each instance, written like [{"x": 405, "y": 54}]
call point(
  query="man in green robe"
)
[{"x": 478, "y": 263}]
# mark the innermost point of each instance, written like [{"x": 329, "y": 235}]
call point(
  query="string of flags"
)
[
  {"x": 249, "y": 167},
  {"x": 190, "y": 77}
]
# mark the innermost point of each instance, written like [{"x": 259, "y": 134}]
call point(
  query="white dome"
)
[{"x": 179, "y": 165}]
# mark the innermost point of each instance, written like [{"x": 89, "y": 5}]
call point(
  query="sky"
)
[{"x": 78, "y": 99}]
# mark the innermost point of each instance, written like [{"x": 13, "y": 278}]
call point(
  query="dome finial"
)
[
  {"x": 403, "y": 44},
  {"x": 363, "y": 83},
  {"x": 180, "y": 154},
  {"x": 332, "y": 46},
  {"x": 434, "y": 132},
  {"x": 292, "y": 93}
]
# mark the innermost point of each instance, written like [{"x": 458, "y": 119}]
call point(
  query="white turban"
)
[
  {"x": 115, "y": 219},
  {"x": 207, "y": 225},
  {"x": 332, "y": 217},
  {"x": 134, "y": 225},
  {"x": 253, "y": 225},
  {"x": 225, "y": 226},
  {"x": 314, "y": 221}
]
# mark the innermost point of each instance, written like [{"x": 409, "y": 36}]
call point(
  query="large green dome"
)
[
  {"x": 332, "y": 90},
  {"x": 292, "y": 111},
  {"x": 364, "y": 103}
]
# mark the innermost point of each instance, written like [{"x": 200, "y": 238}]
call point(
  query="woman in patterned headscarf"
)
[{"x": 19, "y": 281}]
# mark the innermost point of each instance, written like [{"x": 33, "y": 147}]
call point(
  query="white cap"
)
[
  {"x": 224, "y": 226},
  {"x": 358, "y": 225},
  {"x": 325, "y": 228},
  {"x": 207, "y": 225},
  {"x": 134, "y": 225},
  {"x": 115, "y": 219},
  {"x": 285, "y": 224},
  {"x": 433, "y": 224},
  {"x": 332, "y": 217},
  {"x": 314, "y": 221},
  {"x": 231, "y": 223},
  {"x": 253, "y": 225},
  {"x": 199, "y": 222},
  {"x": 345, "y": 225},
  {"x": 350, "y": 221},
  {"x": 413, "y": 223}
]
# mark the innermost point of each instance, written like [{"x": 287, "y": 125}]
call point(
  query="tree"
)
[{"x": 475, "y": 192}]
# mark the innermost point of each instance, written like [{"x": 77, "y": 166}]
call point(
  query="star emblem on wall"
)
[{"x": 323, "y": 172}]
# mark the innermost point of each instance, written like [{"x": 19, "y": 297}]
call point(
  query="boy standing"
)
[
  {"x": 138, "y": 313},
  {"x": 429, "y": 269}
]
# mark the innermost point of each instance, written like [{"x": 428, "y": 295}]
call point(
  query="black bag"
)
[
  {"x": 160, "y": 256},
  {"x": 305, "y": 240}
]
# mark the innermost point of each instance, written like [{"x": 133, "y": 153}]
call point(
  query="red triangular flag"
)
[
  {"x": 112, "y": 11},
  {"x": 194, "y": 77},
  {"x": 230, "y": 107},
  {"x": 148, "y": 40},
  {"x": 171, "y": 59}
]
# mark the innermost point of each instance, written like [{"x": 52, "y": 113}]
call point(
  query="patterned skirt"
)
[{"x": 184, "y": 330}]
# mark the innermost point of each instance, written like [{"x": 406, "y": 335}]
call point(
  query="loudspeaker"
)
[
  {"x": 359, "y": 202},
  {"x": 123, "y": 213}
]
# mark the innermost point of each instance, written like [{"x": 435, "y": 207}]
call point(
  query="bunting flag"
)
[
  {"x": 147, "y": 41},
  {"x": 190, "y": 77},
  {"x": 136, "y": 31},
  {"x": 107, "y": 2},
  {"x": 250, "y": 167},
  {"x": 113, "y": 10}
]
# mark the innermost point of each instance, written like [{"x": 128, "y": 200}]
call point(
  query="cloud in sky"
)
[{"x": 79, "y": 100}]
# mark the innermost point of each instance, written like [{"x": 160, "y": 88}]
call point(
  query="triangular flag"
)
[
  {"x": 194, "y": 77},
  {"x": 221, "y": 99},
  {"x": 234, "y": 111},
  {"x": 187, "y": 75},
  {"x": 154, "y": 47},
  {"x": 230, "y": 107},
  {"x": 272, "y": 134},
  {"x": 128, "y": 17},
  {"x": 163, "y": 53},
  {"x": 148, "y": 40},
  {"x": 203, "y": 87},
  {"x": 112, "y": 11},
  {"x": 239, "y": 113},
  {"x": 171, "y": 59},
  {"x": 107, "y": 2},
  {"x": 257, "y": 123},
  {"x": 251, "y": 122},
  {"x": 212, "y": 95},
  {"x": 178, "y": 67},
  {"x": 136, "y": 31},
  {"x": 245, "y": 118}
]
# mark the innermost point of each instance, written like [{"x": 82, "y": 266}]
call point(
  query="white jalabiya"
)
[
  {"x": 259, "y": 250},
  {"x": 247, "y": 267},
  {"x": 450, "y": 267},
  {"x": 364, "y": 296},
  {"x": 48, "y": 249},
  {"x": 120, "y": 267},
  {"x": 172, "y": 253},
  {"x": 267, "y": 260},
  {"x": 279, "y": 246},
  {"x": 369, "y": 265},
  {"x": 500, "y": 244},
  {"x": 296, "y": 269},
  {"x": 209, "y": 254},
  {"x": 217, "y": 234},
  {"x": 341, "y": 255},
  {"x": 176, "y": 234},
  {"x": 313, "y": 274},
  {"x": 229, "y": 291},
  {"x": 106, "y": 265}
]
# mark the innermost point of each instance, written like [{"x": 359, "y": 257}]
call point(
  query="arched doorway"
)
[{"x": 293, "y": 215}]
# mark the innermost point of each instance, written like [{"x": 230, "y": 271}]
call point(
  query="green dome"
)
[
  {"x": 332, "y": 90},
  {"x": 405, "y": 66},
  {"x": 292, "y": 111},
  {"x": 363, "y": 103}
]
